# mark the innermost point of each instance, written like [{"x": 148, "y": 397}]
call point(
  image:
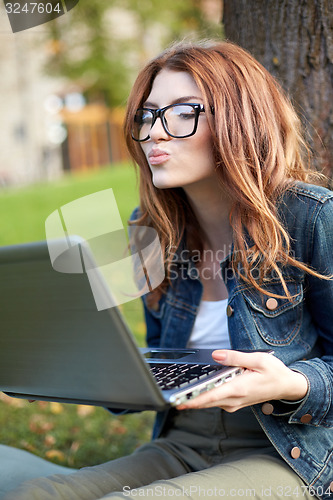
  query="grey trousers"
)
[{"x": 205, "y": 453}]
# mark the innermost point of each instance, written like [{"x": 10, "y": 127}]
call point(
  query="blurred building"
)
[
  {"x": 46, "y": 127},
  {"x": 26, "y": 153}
]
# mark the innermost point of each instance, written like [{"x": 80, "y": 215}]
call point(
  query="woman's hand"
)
[{"x": 265, "y": 378}]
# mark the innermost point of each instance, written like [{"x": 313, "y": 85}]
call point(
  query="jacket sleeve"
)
[{"x": 318, "y": 401}]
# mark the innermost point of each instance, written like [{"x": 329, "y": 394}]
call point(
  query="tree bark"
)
[{"x": 293, "y": 39}]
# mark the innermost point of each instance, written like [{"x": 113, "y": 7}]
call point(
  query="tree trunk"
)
[{"x": 293, "y": 39}]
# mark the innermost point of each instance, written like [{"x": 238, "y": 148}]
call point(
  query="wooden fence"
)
[{"x": 94, "y": 138}]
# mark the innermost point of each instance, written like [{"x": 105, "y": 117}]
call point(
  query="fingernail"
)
[{"x": 219, "y": 355}]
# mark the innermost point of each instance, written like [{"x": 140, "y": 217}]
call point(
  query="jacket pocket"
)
[{"x": 278, "y": 321}]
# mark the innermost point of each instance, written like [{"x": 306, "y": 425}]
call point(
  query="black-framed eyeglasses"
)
[{"x": 178, "y": 120}]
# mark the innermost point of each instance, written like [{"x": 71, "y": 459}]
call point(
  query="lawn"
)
[
  {"x": 23, "y": 211},
  {"x": 73, "y": 435}
]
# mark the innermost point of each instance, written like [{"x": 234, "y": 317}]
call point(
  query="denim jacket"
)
[{"x": 300, "y": 332}]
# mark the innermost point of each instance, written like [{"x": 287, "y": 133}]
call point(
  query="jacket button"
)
[
  {"x": 271, "y": 304},
  {"x": 267, "y": 408},
  {"x": 155, "y": 307},
  {"x": 230, "y": 311},
  {"x": 295, "y": 452},
  {"x": 305, "y": 419}
]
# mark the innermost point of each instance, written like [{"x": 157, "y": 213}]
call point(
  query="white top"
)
[{"x": 210, "y": 330}]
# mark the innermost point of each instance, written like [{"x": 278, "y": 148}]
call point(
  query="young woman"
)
[{"x": 248, "y": 257}]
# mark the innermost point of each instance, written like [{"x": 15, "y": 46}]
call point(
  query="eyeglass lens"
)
[{"x": 178, "y": 121}]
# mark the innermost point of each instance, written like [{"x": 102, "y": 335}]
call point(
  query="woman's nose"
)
[{"x": 157, "y": 132}]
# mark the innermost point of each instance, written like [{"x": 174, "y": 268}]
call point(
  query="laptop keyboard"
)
[{"x": 172, "y": 376}]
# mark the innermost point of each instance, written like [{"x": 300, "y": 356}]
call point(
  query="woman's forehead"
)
[{"x": 171, "y": 86}]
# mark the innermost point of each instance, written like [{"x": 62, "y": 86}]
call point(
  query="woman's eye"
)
[{"x": 186, "y": 116}]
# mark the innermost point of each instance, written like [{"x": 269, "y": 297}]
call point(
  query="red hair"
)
[{"x": 257, "y": 149}]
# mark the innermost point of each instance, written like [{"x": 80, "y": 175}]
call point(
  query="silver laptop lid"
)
[{"x": 55, "y": 344}]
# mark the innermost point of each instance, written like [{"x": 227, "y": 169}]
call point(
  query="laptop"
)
[{"x": 55, "y": 345}]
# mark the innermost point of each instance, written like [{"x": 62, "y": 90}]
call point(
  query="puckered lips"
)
[{"x": 158, "y": 156}]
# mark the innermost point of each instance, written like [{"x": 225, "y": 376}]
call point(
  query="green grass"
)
[
  {"x": 72, "y": 435},
  {"x": 24, "y": 211}
]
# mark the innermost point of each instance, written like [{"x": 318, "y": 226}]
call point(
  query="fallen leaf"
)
[
  {"x": 15, "y": 402},
  {"x": 59, "y": 455},
  {"x": 56, "y": 408},
  {"x": 117, "y": 428},
  {"x": 27, "y": 446},
  {"x": 39, "y": 425},
  {"x": 43, "y": 404},
  {"x": 85, "y": 410},
  {"x": 49, "y": 440}
]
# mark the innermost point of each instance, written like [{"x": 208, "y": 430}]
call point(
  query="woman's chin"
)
[{"x": 163, "y": 183}]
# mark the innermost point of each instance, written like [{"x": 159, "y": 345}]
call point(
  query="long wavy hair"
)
[{"x": 258, "y": 150}]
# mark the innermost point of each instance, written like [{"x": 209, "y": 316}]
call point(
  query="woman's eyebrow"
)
[{"x": 179, "y": 100}]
